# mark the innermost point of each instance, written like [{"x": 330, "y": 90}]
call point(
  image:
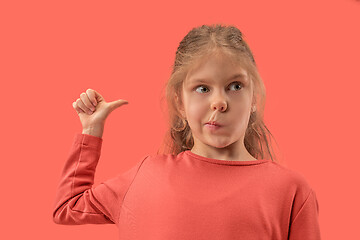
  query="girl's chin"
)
[{"x": 218, "y": 144}]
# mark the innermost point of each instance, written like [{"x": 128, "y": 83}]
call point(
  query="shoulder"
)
[
  {"x": 290, "y": 185},
  {"x": 294, "y": 181},
  {"x": 159, "y": 160},
  {"x": 297, "y": 190}
]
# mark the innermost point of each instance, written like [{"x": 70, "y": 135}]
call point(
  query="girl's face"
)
[{"x": 218, "y": 89}]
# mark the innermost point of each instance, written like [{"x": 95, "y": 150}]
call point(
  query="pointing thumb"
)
[{"x": 115, "y": 104}]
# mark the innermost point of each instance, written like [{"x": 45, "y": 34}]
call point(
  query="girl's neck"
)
[{"x": 239, "y": 154}]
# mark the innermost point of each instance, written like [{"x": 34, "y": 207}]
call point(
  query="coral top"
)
[{"x": 187, "y": 196}]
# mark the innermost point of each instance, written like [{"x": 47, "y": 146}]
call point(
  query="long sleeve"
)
[
  {"x": 76, "y": 201},
  {"x": 306, "y": 222}
]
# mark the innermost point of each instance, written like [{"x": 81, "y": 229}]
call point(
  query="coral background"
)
[{"x": 52, "y": 51}]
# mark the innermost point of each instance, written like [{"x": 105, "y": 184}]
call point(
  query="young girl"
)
[{"x": 214, "y": 182}]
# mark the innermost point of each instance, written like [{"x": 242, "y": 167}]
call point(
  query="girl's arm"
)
[
  {"x": 305, "y": 224},
  {"x": 76, "y": 201}
]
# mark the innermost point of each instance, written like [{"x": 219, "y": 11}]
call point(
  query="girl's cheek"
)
[
  {"x": 196, "y": 103},
  {"x": 197, "y": 109},
  {"x": 199, "y": 97}
]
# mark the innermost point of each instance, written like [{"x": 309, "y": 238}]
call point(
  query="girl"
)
[{"x": 214, "y": 182}]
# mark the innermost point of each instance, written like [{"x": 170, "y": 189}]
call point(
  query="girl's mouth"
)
[
  {"x": 212, "y": 127},
  {"x": 214, "y": 123}
]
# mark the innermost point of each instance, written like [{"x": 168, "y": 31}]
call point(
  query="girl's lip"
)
[
  {"x": 212, "y": 127},
  {"x": 213, "y": 124}
]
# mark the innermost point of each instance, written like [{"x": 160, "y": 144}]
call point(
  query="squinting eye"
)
[
  {"x": 200, "y": 87},
  {"x": 237, "y": 84}
]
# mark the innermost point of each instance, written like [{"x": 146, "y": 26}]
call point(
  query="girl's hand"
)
[{"x": 93, "y": 110}]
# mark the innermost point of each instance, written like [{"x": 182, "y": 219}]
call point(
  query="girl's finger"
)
[
  {"x": 86, "y": 101},
  {"x": 77, "y": 109},
  {"x": 81, "y": 105},
  {"x": 91, "y": 95}
]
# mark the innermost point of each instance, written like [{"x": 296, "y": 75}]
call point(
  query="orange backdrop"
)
[{"x": 51, "y": 51}]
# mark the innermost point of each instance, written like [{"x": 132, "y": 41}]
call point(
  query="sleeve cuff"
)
[{"x": 88, "y": 140}]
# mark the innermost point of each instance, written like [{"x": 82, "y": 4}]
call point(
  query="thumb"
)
[{"x": 115, "y": 104}]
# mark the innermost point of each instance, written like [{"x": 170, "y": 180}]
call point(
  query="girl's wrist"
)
[{"x": 94, "y": 131}]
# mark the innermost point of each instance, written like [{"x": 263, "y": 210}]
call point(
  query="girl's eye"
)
[
  {"x": 237, "y": 85},
  {"x": 200, "y": 88}
]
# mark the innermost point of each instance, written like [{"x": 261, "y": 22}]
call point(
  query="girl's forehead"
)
[{"x": 207, "y": 68}]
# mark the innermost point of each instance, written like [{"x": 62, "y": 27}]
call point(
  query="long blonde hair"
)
[{"x": 199, "y": 42}]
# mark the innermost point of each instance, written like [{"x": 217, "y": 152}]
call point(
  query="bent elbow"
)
[
  {"x": 60, "y": 218},
  {"x": 56, "y": 217}
]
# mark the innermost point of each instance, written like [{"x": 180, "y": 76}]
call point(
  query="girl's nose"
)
[{"x": 220, "y": 105}]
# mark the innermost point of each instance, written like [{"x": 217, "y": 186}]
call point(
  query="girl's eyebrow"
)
[{"x": 238, "y": 75}]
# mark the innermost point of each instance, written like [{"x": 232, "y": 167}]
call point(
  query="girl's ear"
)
[
  {"x": 180, "y": 106},
  {"x": 253, "y": 104}
]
